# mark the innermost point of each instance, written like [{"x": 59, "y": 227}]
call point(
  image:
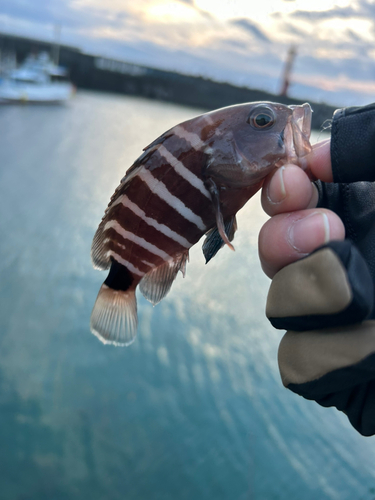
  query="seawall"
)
[{"x": 98, "y": 73}]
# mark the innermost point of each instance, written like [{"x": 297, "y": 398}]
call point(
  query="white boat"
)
[{"x": 37, "y": 80}]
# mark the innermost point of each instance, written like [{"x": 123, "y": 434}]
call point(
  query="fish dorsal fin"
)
[
  {"x": 141, "y": 160},
  {"x": 147, "y": 152},
  {"x": 137, "y": 165},
  {"x": 99, "y": 257},
  {"x": 156, "y": 284},
  {"x": 214, "y": 241},
  {"x": 98, "y": 252},
  {"x": 160, "y": 139}
]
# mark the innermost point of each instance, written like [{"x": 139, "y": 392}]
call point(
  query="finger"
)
[
  {"x": 288, "y": 189},
  {"x": 319, "y": 161},
  {"x": 286, "y": 238}
]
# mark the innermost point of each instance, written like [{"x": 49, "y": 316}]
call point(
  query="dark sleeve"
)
[
  {"x": 353, "y": 144},
  {"x": 352, "y": 194}
]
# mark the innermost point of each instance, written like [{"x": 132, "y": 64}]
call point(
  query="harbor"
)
[{"x": 99, "y": 73}]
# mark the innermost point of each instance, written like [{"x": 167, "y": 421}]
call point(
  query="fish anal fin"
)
[
  {"x": 214, "y": 241},
  {"x": 215, "y": 195},
  {"x": 114, "y": 317},
  {"x": 156, "y": 283}
]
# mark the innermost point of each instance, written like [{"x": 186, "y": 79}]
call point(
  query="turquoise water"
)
[{"x": 195, "y": 407}]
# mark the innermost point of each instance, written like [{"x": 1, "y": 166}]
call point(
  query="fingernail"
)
[
  {"x": 276, "y": 190},
  {"x": 310, "y": 232}
]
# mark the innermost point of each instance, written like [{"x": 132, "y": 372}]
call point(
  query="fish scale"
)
[{"x": 190, "y": 181}]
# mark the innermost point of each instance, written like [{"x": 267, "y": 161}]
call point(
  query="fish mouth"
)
[{"x": 296, "y": 134}]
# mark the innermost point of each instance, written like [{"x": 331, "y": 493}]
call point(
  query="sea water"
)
[{"x": 195, "y": 408}]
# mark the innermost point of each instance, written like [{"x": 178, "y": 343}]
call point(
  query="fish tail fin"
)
[{"x": 114, "y": 317}]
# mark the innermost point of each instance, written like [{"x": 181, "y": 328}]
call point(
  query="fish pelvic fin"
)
[
  {"x": 156, "y": 283},
  {"x": 215, "y": 195},
  {"x": 114, "y": 317},
  {"x": 214, "y": 241}
]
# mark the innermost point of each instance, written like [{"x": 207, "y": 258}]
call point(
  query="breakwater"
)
[{"x": 98, "y": 73}]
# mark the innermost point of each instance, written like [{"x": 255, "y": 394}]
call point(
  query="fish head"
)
[{"x": 252, "y": 139}]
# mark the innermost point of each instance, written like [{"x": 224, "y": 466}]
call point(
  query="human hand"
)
[
  {"x": 314, "y": 292},
  {"x": 296, "y": 227}
]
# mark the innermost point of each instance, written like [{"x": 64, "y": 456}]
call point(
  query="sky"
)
[{"x": 244, "y": 42}]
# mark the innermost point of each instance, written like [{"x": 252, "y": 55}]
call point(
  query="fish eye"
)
[{"x": 261, "y": 118}]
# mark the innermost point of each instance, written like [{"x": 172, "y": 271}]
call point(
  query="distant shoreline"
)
[{"x": 104, "y": 74}]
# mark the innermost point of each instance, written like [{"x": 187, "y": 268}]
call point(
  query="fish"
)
[{"x": 191, "y": 181}]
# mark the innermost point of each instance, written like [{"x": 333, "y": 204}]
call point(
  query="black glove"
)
[{"x": 327, "y": 299}]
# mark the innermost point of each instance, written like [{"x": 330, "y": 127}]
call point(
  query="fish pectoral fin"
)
[
  {"x": 114, "y": 317},
  {"x": 215, "y": 195},
  {"x": 156, "y": 283},
  {"x": 214, "y": 241}
]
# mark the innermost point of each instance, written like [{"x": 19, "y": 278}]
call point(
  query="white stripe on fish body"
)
[
  {"x": 160, "y": 190},
  {"x": 191, "y": 137},
  {"x": 117, "y": 243},
  {"x": 125, "y": 263},
  {"x": 164, "y": 195},
  {"x": 148, "y": 263},
  {"x": 162, "y": 228},
  {"x": 207, "y": 118},
  {"x": 208, "y": 121},
  {"x": 184, "y": 172},
  {"x": 113, "y": 224}
]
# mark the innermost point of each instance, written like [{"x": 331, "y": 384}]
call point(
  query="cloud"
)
[
  {"x": 237, "y": 44},
  {"x": 292, "y": 29},
  {"x": 237, "y": 50},
  {"x": 45, "y": 12},
  {"x": 362, "y": 10},
  {"x": 336, "y": 12},
  {"x": 42, "y": 12},
  {"x": 353, "y": 36},
  {"x": 251, "y": 28}
]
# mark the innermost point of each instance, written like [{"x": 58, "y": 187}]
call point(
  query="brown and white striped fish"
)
[{"x": 189, "y": 182}]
